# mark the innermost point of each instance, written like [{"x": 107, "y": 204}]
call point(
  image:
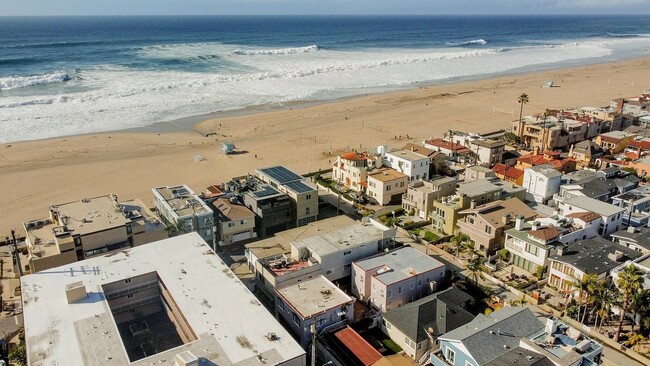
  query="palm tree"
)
[
  {"x": 603, "y": 298},
  {"x": 582, "y": 285},
  {"x": 629, "y": 282},
  {"x": 639, "y": 304},
  {"x": 590, "y": 291},
  {"x": 470, "y": 247},
  {"x": 520, "y": 301},
  {"x": 474, "y": 269},
  {"x": 634, "y": 339},
  {"x": 458, "y": 241},
  {"x": 547, "y": 113},
  {"x": 523, "y": 99}
]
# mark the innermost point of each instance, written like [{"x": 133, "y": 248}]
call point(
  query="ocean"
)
[{"x": 70, "y": 75}]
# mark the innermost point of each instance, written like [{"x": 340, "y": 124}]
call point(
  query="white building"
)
[
  {"x": 330, "y": 253},
  {"x": 392, "y": 279},
  {"x": 153, "y": 304},
  {"x": 179, "y": 206},
  {"x": 531, "y": 243},
  {"x": 541, "y": 183},
  {"x": 316, "y": 301},
  {"x": 489, "y": 151},
  {"x": 414, "y": 165},
  {"x": 612, "y": 216}
]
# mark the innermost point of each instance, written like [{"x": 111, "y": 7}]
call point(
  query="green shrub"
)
[
  {"x": 430, "y": 237},
  {"x": 391, "y": 345}
]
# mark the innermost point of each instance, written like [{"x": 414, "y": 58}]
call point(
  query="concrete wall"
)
[
  {"x": 104, "y": 238},
  {"x": 404, "y": 291}
]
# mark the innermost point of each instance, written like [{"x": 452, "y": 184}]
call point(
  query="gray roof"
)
[
  {"x": 485, "y": 337},
  {"x": 591, "y": 256},
  {"x": 598, "y": 188},
  {"x": 580, "y": 176},
  {"x": 521, "y": 357},
  {"x": 403, "y": 263},
  {"x": 546, "y": 170},
  {"x": 594, "y": 205},
  {"x": 640, "y": 236},
  {"x": 587, "y": 147},
  {"x": 442, "y": 312}
]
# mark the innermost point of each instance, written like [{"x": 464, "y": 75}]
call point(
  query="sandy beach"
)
[{"x": 36, "y": 174}]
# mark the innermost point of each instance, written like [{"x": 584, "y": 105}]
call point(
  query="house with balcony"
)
[
  {"x": 387, "y": 186},
  {"x": 531, "y": 243},
  {"x": 233, "y": 221},
  {"x": 319, "y": 251},
  {"x": 515, "y": 336},
  {"x": 420, "y": 195},
  {"x": 636, "y": 204},
  {"x": 585, "y": 152},
  {"x": 455, "y": 151},
  {"x": 416, "y": 326},
  {"x": 485, "y": 224},
  {"x": 595, "y": 256},
  {"x": 489, "y": 151},
  {"x": 395, "y": 278},
  {"x": 316, "y": 303},
  {"x": 635, "y": 238},
  {"x": 541, "y": 183},
  {"x": 303, "y": 196},
  {"x": 477, "y": 172},
  {"x": 435, "y": 157},
  {"x": 87, "y": 228},
  {"x": 611, "y": 216},
  {"x": 273, "y": 210},
  {"x": 614, "y": 141},
  {"x": 179, "y": 206},
  {"x": 410, "y": 163},
  {"x": 350, "y": 170}
]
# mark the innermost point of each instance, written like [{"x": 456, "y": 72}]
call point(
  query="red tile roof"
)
[
  {"x": 644, "y": 145},
  {"x": 611, "y": 140},
  {"x": 359, "y": 346},
  {"x": 507, "y": 171},
  {"x": 533, "y": 159},
  {"x": 584, "y": 216},
  {"x": 445, "y": 144},
  {"x": 546, "y": 233},
  {"x": 354, "y": 156}
]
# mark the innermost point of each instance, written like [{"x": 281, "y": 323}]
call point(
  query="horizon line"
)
[{"x": 329, "y": 15}]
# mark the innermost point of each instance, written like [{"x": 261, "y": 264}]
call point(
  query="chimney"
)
[
  {"x": 536, "y": 151},
  {"x": 519, "y": 223},
  {"x": 472, "y": 204},
  {"x": 505, "y": 218},
  {"x": 413, "y": 148},
  {"x": 551, "y": 325},
  {"x": 619, "y": 105},
  {"x": 560, "y": 250},
  {"x": 631, "y": 229}
]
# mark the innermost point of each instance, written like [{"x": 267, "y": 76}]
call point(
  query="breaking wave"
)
[
  {"x": 278, "y": 51},
  {"x": 468, "y": 43},
  {"x": 8, "y": 83}
]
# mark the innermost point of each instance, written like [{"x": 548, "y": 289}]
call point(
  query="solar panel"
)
[
  {"x": 265, "y": 192},
  {"x": 281, "y": 174},
  {"x": 299, "y": 187}
]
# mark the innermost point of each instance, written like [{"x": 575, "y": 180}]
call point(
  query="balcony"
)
[{"x": 437, "y": 359}]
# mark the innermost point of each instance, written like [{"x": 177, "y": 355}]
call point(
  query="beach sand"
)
[{"x": 37, "y": 174}]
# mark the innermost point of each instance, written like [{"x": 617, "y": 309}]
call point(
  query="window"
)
[
  {"x": 346, "y": 267},
  {"x": 128, "y": 280},
  {"x": 129, "y": 230},
  {"x": 280, "y": 305},
  {"x": 420, "y": 282},
  {"x": 399, "y": 290},
  {"x": 243, "y": 222},
  {"x": 347, "y": 252},
  {"x": 488, "y": 229},
  {"x": 390, "y": 293},
  {"x": 387, "y": 188},
  {"x": 129, "y": 296},
  {"x": 231, "y": 224},
  {"x": 450, "y": 355},
  {"x": 413, "y": 285},
  {"x": 296, "y": 320}
]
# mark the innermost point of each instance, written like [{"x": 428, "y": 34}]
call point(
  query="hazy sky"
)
[{"x": 184, "y": 7}]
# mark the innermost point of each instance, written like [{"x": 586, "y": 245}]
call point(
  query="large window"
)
[{"x": 450, "y": 356}]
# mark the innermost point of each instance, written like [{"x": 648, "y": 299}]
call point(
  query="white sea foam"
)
[
  {"x": 8, "y": 83},
  {"x": 117, "y": 97},
  {"x": 480, "y": 41},
  {"x": 276, "y": 51}
]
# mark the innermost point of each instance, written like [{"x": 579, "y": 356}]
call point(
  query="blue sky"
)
[{"x": 263, "y": 7}]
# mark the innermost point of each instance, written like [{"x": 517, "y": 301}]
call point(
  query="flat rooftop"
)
[
  {"x": 386, "y": 175},
  {"x": 314, "y": 296},
  {"x": 407, "y": 155},
  {"x": 477, "y": 188},
  {"x": 400, "y": 264},
  {"x": 231, "y": 330},
  {"x": 281, "y": 242},
  {"x": 594, "y": 205},
  {"x": 344, "y": 237},
  {"x": 182, "y": 200},
  {"x": 93, "y": 214},
  {"x": 264, "y": 192}
]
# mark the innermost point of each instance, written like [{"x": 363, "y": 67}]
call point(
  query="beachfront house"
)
[{"x": 413, "y": 165}]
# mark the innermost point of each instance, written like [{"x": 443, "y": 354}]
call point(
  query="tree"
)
[
  {"x": 629, "y": 282},
  {"x": 474, "y": 269},
  {"x": 582, "y": 285},
  {"x": 634, "y": 340},
  {"x": 470, "y": 247},
  {"x": 175, "y": 229},
  {"x": 458, "y": 241},
  {"x": 639, "y": 304},
  {"x": 547, "y": 113},
  {"x": 520, "y": 301},
  {"x": 523, "y": 99},
  {"x": 603, "y": 298}
]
